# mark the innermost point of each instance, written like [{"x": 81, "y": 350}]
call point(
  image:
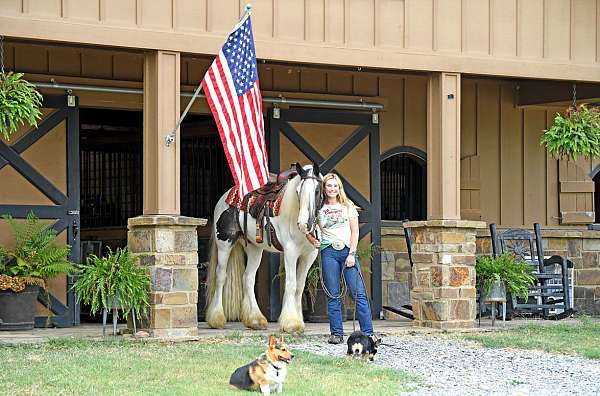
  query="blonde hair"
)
[{"x": 342, "y": 198}]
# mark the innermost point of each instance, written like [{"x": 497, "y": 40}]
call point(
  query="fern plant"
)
[
  {"x": 516, "y": 275},
  {"x": 36, "y": 256},
  {"x": 575, "y": 134},
  {"x": 19, "y": 103},
  {"x": 113, "y": 280}
]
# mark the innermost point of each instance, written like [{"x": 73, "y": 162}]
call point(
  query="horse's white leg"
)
[
  {"x": 289, "y": 320},
  {"x": 304, "y": 263},
  {"x": 251, "y": 315},
  {"x": 215, "y": 316}
]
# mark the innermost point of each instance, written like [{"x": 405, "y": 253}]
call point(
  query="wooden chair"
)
[{"x": 551, "y": 291}]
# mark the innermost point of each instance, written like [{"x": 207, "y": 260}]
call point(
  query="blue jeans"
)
[{"x": 333, "y": 261}]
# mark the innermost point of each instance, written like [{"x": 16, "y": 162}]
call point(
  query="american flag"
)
[{"x": 231, "y": 88}]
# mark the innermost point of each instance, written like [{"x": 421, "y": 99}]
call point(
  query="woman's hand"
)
[
  {"x": 350, "y": 260},
  {"x": 313, "y": 241},
  {"x": 303, "y": 227}
]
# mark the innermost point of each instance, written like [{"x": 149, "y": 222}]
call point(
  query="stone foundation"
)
[
  {"x": 580, "y": 246},
  {"x": 168, "y": 247},
  {"x": 443, "y": 293}
]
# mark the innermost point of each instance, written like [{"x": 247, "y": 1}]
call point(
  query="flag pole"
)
[{"x": 170, "y": 138}]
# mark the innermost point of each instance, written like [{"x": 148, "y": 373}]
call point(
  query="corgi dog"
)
[
  {"x": 361, "y": 345},
  {"x": 267, "y": 373}
]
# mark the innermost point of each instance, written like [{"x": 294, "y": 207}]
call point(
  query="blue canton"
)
[{"x": 241, "y": 57}]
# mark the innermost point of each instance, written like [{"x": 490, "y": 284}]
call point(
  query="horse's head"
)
[{"x": 309, "y": 194}]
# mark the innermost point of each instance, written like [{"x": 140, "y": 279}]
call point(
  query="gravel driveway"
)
[{"x": 454, "y": 367}]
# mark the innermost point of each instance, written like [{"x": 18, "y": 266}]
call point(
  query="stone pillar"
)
[
  {"x": 168, "y": 247},
  {"x": 443, "y": 293}
]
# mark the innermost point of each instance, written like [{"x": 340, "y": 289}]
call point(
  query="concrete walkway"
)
[{"x": 383, "y": 327}]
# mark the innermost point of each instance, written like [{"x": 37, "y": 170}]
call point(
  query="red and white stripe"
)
[{"x": 240, "y": 123}]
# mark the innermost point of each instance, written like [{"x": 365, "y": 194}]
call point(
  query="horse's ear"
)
[
  {"x": 316, "y": 170},
  {"x": 299, "y": 169}
]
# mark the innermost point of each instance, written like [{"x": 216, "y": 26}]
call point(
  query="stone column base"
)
[
  {"x": 443, "y": 294},
  {"x": 168, "y": 247}
]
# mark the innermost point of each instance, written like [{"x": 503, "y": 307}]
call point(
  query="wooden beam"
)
[{"x": 539, "y": 92}]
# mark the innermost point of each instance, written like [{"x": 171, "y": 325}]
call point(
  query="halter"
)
[{"x": 317, "y": 192}]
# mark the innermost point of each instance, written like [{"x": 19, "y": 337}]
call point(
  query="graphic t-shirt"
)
[{"x": 334, "y": 221}]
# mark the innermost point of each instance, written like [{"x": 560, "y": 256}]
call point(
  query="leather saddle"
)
[{"x": 261, "y": 203}]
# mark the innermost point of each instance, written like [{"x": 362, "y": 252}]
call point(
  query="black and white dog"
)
[{"x": 362, "y": 345}]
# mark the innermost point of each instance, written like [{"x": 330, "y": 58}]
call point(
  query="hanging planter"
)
[
  {"x": 19, "y": 103},
  {"x": 574, "y": 134}
]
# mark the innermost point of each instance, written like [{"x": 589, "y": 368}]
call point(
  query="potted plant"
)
[
  {"x": 114, "y": 282},
  {"x": 19, "y": 103},
  {"x": 574, "y": 134},
  {"x": 498, "y": 275},
  {"x": 35, "y": 258}
]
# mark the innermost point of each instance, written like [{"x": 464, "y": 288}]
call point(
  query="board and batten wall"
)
[
  {"x": 507, "y": 177},
  {"x": 523, "y": 38}
]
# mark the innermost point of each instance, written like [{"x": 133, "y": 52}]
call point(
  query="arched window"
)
[{"x": 404, "y": 184}]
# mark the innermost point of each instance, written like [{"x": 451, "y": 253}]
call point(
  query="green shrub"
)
[
  {"x": 117, "y": 276},
  {"x": 516, "y": 275},
  {"x": 575, "y": 134},
  {"x": 36, "y": 256},
  {"x": 19, "y": 103}
]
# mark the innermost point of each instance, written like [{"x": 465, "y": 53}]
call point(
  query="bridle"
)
[{"x": 313, "y": 212}]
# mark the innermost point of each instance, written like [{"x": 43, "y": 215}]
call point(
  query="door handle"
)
[{"x": 75, "y": 229}]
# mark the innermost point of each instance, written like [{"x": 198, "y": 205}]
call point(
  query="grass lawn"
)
[
  {"x": 582, "y": 338},
  {"x": 115, "y": 367}
]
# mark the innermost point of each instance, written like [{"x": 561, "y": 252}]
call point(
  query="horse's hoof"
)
[
  {"x": 291, "y": 326},
  {"x": 216, "y": 321},
  {"x": 256, "y": 323}
]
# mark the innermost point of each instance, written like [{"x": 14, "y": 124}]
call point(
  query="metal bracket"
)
[
  {"x": 71, "y": 102},
  {"x": 276, "y": 112},
  {"x": 375, "y": 118},
  {"x": 170, "y": 138},
  {"x": 73, "y": 212}
]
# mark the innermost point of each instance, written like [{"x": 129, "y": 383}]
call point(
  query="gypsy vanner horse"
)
[{"x": 231, "y": 295}]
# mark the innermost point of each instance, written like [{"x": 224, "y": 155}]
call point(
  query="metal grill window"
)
[
  {"x": 403, "y": 188},
  {"x": 111, "y": 187},
  {"x": 205, "y": 175}
]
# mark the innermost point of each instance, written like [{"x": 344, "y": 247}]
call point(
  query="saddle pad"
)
[{"x": 233, "y": 199}]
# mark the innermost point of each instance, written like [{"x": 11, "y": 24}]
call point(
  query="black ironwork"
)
[
  {"x": 111, "y": 186},
  {"x": 205, "y": 175},
  {"x": 404, "y": 184},
  {"x": 370, "y": 214},
  {"x": 65, "y": 211}
]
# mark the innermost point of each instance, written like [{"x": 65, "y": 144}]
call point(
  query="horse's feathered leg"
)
[
  {"x": 290, "y": 320},
  {"x": 304, "y": 263},
  {"x": 251, "y": 315}
]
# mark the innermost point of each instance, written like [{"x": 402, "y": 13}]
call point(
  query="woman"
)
[{"x": 338, "y": 221}]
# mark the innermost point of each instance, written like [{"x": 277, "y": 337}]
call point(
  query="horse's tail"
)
[{"x": 233, "y": 289}]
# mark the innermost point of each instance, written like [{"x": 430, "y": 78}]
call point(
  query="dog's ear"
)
[
  {"x": 272, "y": 341},
  {"x": 377, "y": 341}
]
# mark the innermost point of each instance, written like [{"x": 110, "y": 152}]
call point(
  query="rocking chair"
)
[{"x": 550, "y": 295}]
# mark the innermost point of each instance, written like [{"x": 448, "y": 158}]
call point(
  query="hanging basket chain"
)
[{"x": 574, "y": 95}]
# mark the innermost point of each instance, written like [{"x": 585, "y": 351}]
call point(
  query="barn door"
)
[
  {"x": 576, "y": 192},
  {"x": 39, "y": 173},
  {"x": 347, "y": 142}
]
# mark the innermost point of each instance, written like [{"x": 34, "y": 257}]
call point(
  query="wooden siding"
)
[
  {"x": 533, "y": 38},
  {"x": 517, "y": 183}
]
